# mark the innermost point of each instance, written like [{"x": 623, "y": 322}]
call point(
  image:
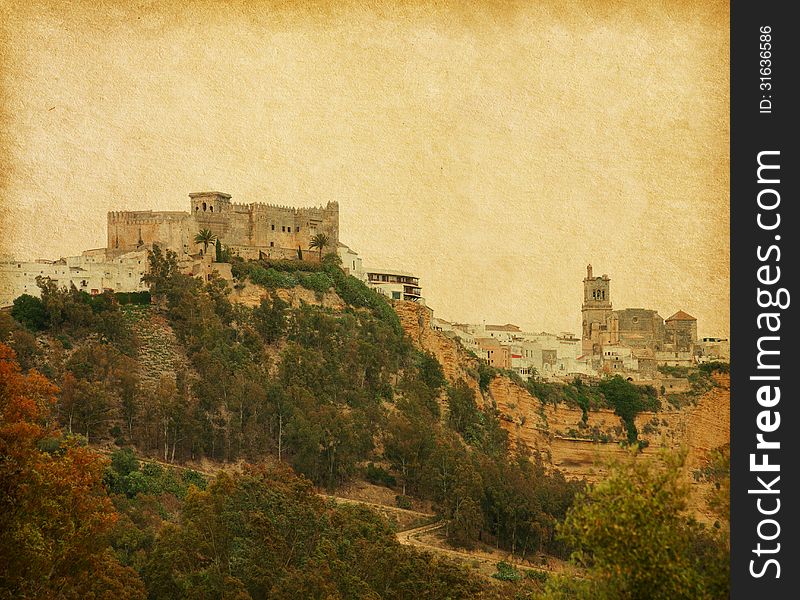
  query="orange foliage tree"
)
[{"x": 54, "y": 510}]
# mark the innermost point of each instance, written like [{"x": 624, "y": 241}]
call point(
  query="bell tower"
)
[{"x": 595, "y": 310}]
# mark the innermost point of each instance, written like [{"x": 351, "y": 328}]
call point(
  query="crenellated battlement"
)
[
  {"x": 254, "y": 224},
  {"x": 261, "y": 206},
  {"x": 146, "y": 216}
]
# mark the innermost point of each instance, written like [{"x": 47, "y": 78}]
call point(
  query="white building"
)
[
  {"x": 351, "y": 262},
  {"x": 93, "y": 272},
  {"x": 710, "y": 349},
  {"x": 397, "y": 285}
]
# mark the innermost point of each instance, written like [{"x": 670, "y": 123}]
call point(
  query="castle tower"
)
[
  {"x": 207, "y": 204},
  {"x": 595, "y": 310}
]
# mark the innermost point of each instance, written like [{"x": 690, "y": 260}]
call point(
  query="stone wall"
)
[
  {"x": 259, "y": 226},
  {"x": 640, "y": 328}
]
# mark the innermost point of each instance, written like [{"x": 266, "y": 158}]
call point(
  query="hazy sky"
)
[{"x": 494, "y": 151}]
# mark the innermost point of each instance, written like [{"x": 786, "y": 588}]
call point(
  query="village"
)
[{"x": 631, "y": 342}]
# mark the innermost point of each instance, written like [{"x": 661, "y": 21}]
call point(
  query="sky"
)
[{"x": 493, "y": 149}]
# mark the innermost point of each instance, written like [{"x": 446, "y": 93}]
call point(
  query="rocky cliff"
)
[{"x": 558, "y": 433}]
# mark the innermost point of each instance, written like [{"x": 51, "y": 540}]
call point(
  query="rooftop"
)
[{"x": 681, "y": 316}]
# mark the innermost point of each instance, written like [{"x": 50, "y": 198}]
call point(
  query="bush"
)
[
  {"x": 133, "y": 297},
  {"x": 380, "y": 476},
  {"x": 30, "y": 312},
  {"x": 485, "y": 375},
  {"x": 538, "y": 576},
  {"x": 628, "y": 400},
  {"x": 272, "y": 279},
  {"x": 506, "y": 572},
  {"x": 715, "y": 366},
  {"x": 317, "y": 282},
  {"x": 124, "y": 462}
]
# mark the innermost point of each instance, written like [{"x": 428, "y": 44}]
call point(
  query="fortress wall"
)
[
  {"x": 268, "y": 226},
  {"x": 275, "y": 229},
  {"x": 167, "y": 229}
]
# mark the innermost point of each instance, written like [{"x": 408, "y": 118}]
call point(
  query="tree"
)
[
  {"x": 29, "y": 310},
  {"x": 407, "y": 445},
  {"x": 320, "y": 240},
  {"x": 631, "y": 531},
  {"x": 162, "y": 266},
  {"x": 269, "y": 318},
  {"x": 205, "y": 237},
  {"x": 54, "y": 511}
]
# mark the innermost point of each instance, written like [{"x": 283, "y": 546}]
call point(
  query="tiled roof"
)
[{"x": 681, "y": 316}]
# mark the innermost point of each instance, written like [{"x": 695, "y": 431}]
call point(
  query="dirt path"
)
[
  {"x": 426, "y": 538},
  {"x": 423, "y": 537},
  {"x": 407, "y": 514}
]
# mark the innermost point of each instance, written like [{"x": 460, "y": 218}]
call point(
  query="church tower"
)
[{"x": 596, "y": 310}]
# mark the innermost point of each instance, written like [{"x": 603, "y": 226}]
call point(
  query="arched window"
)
[
  {"x": 204, "y": 207},
  {"x": 211, "y": 208}
]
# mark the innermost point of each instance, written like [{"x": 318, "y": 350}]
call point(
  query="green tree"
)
[
  {"x": 320, "y": 241},
  {"x": 162, "y": 270},
  {"x": 29, "y": 311},
  {"x": 205, "y": 237},
  {"x": 269, "y": 318},
  {"x": 632, "y": 533},
  {"x": 408, "y": 444},
  {"x": 628, "y": 400}
]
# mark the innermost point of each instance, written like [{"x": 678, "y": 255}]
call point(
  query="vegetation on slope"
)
[
  {"x": 328, "y": 395},
  {"x": 633, "y": 537}
]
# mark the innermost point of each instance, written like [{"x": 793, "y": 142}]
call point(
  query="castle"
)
[
  {"x": 642, "y": 332},
  {"x": 249, "y": 230}
]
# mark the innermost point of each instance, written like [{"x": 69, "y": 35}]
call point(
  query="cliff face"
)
[
  {"x": 251, "y": 295},
  {"x": 558, "y": 432},
  {"x": 456, "y": 362}
]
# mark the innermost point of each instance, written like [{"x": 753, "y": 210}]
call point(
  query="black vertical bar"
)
[{"x": 764, "y": 67}]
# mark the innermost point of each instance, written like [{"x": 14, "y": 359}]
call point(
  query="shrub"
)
[
  {"x": 506, "y": 572},
  {"x": 715, "y": 366},
  {"x": 538, "y": 576},
  {"x": 485, "y": 375},
  {"x": 318, "y": 282},
  {"x": 133, "y": 297},
  {"x": 380, "y": 476},
  {"x": 271, "y": 278},
  {"x": 30, "y": 312}
]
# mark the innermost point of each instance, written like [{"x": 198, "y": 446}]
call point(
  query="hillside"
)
[
  {"x": 558, "y": 431},
  {"x": 301, "y": 379}
]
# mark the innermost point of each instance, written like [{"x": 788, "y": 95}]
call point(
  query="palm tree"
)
[
  {"x": 320, "y": 240},
  {"x": 205, "y": 237}
]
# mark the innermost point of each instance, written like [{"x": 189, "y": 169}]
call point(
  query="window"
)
[
  {"x": 272, "y": 244},
  {"x": 283, "y": 228},
  {"x": 297, "y": 229},
  {"x": 395, "y": 295},
  {"x": 204, "y": 207},
  {"x": 212, "y": 208},
  {"x": 273, "y": 226}
]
